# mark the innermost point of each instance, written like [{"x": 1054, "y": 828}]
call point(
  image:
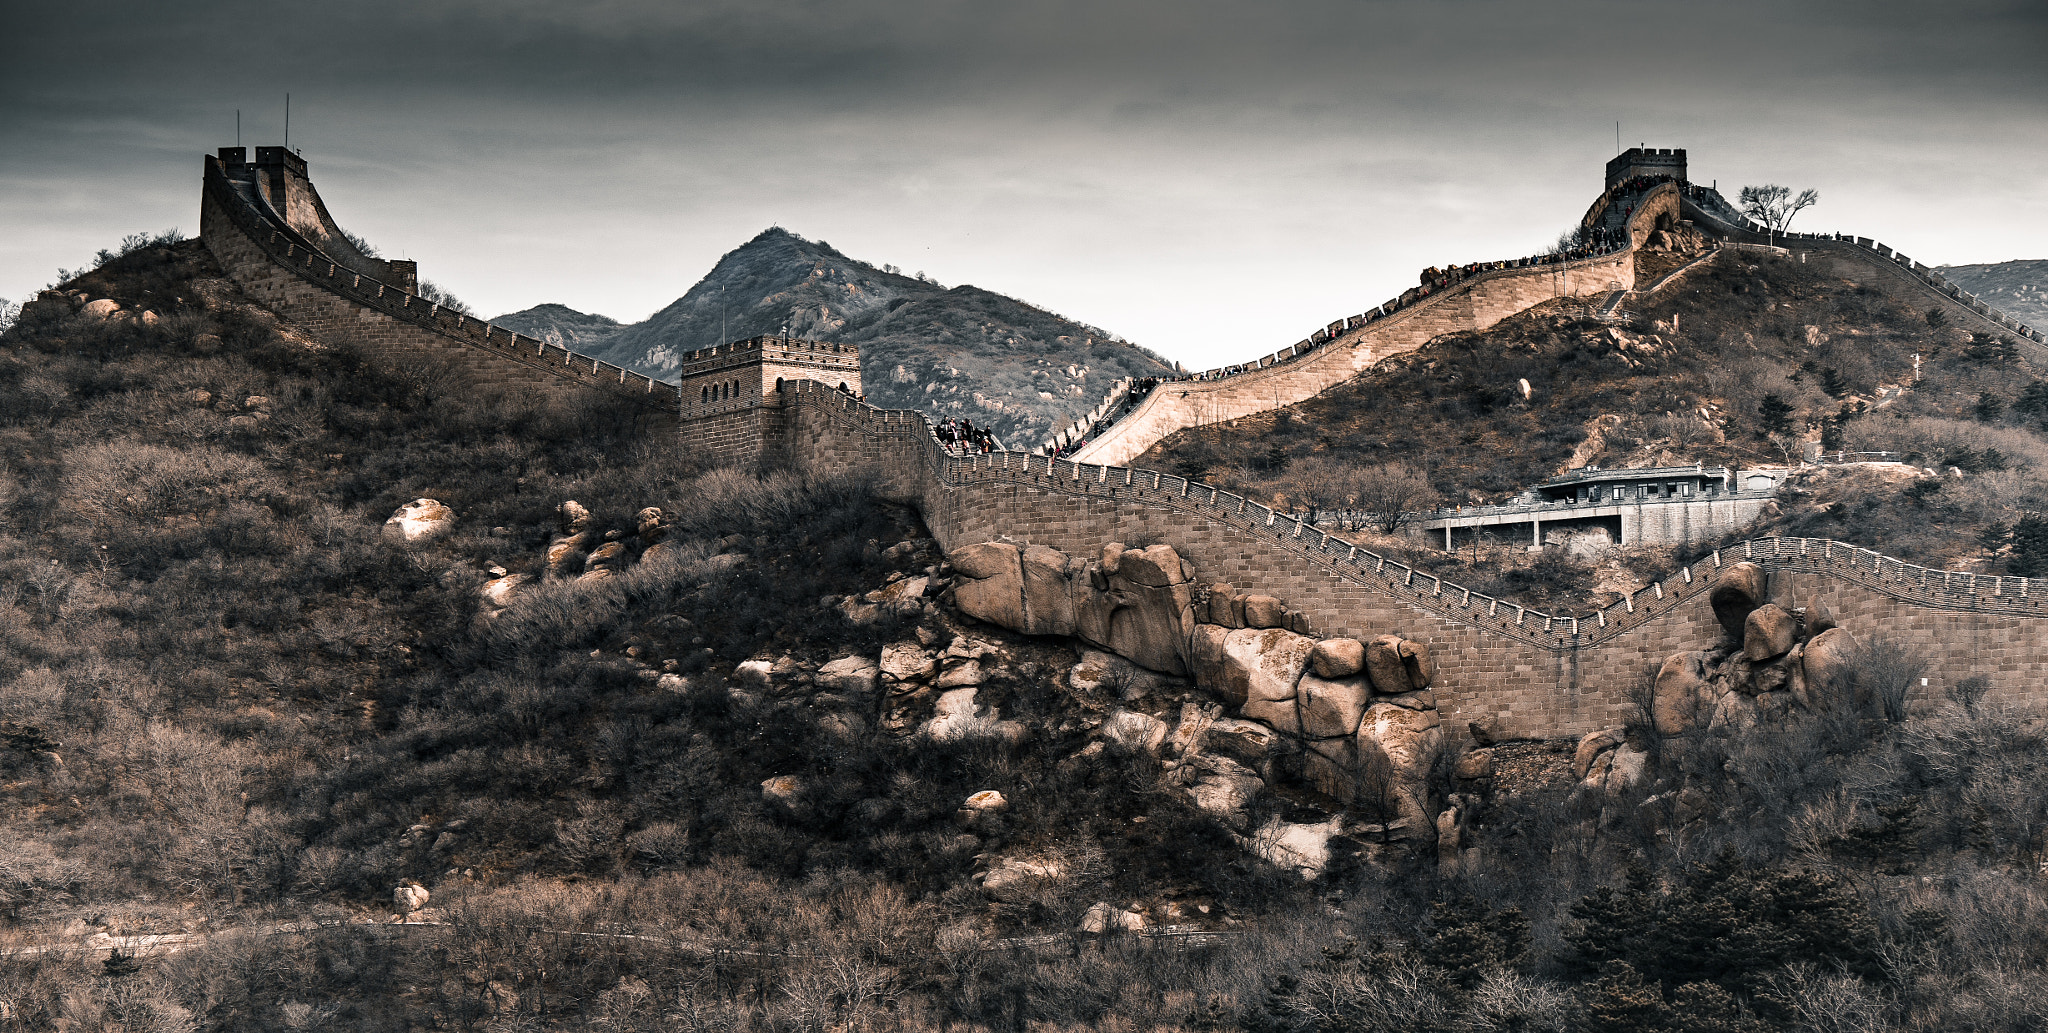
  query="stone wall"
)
[
  {"x": 1472, "y": 304},
  {"x": 1522, "y": 672},
  {"x": 292, "y": 275}
]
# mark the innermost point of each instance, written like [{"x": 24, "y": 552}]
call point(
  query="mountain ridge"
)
[{"x": 963, "y": 351}]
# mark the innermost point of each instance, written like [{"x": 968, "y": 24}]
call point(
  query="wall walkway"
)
[{"x": 1524, "y": 672}]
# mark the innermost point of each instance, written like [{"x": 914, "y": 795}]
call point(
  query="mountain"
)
[
  {"x": 2019, "y": 287},
  {"x": 966, "y": 352},
  {"x": 562, "y": 325}
]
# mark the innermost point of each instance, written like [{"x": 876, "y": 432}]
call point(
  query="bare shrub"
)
[{"x": 1885, "y": 671}]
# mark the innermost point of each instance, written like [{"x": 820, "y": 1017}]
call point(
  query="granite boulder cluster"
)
[
  {"x": 1353, "y": 719},
  {"x": 1772, "y": 660}
]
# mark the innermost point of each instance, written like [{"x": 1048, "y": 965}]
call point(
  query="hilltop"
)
[
  {"x": 1685, "y": 380},
  {"x": 560, "y": 325},
  {"x": 2019, "y": 287},
  {"x": 959, "y": 352}
]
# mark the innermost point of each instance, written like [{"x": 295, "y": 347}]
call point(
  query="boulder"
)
[
  {"x": 1591, "y": 746},
  {"x": 986, "y": 800},
  {"x": 1280, "y": 715},
  {"x": 1225, "y": 788},
  {"x": 1827, "y": 663},
  {"x": 1338, "y": 658},
  {"x": 965, "y": 674},
  {"x": 1226, "y": 607},
  {"x": 1448, "y": 839},
  {"x": 1156, "y": 567},
  {"x": 1263, "y": 664},
  {"x": 611, "y": 555},
  {"x": 1630, "y": 761},
  {"x": 783, "y": 790},
  {"x": 419, "y": 519},
  {"x": 849, "y": 674},
  {"x": 957, "y": 714},
  {"x": 901, "y": 596},
  {"x": 647, "y": 524},
  {"x": 1474, "y": 766},
  {"x": 1191, "y": 729},
  {"x": 1135, "y": 730},
  {"x": 992, "y": 583},
  {"x": 1768, "y": 631},
  {"x": 1680, "y": 692},
  {"x": 1264, "y": 611},
  {"x": 1304, "y": 849},
  {"x": 562, "y": 553},
  {"x": 1299, "y": 623},
  {"x": 1781, "y": 674},
  {"x": 1149, "y": 625},
  {"x": 1048, "y": 596},
  {"x": 409, "y": 896},
  {"x": 598, "y": 574},
  {"x": 499, "y": 592},
  {"x": 1383, "y": 664},
  {"x": 100, "y": 309},
  {"x": 1424, "y": 700},
  {"x": 1421, "y": 667},
  {"x": 571, "y": 517},
  {"x": 1331, "y": 708},
  {"x": 1247, "y": 742},
  {"x": 1819, "y": 619},
  {"x": 755, "y": 673},
  {"x": 905, "y": 661},
  {"x": 1411, "y": 739},
  {"x": 1111, "y": 557},
  {"x": 1102, "y": 918},
  {"x": 1740, "y": 589},
  {"x": 1205, "y": 655},
  {"x": 1009, "y": 878}
]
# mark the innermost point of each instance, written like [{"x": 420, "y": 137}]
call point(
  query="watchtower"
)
[
  {"x": 739, "y": 399},
  {"x": 1646, "y": 161},
  {"x": 725, "y": 377}
]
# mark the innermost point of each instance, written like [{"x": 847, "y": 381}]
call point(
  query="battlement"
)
[
  {"x": 1646, "y": 161},
  {"x": 711, "y": 379}
]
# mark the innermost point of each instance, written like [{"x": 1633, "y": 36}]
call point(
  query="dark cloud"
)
[{"x": 1280, "y": 162}]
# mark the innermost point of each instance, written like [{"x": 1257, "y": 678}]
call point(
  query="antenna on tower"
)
[
  {"x": 238, "y": 127},
  {"x": 287, "y": 121}
]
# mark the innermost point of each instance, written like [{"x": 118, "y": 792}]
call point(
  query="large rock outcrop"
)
[{"x": 1353, "y": 720}]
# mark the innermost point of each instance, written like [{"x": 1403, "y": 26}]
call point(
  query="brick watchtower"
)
[
  {"x": 734, "y": 396},
  {"x": 1646, "y": 161}
]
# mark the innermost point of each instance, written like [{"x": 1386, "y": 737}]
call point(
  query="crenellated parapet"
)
[{"x": 266, "y": 225}]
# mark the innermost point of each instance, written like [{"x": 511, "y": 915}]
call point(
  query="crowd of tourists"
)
[{"x": 962, "y": 437}]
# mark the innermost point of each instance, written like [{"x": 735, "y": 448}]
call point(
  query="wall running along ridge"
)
[
  {"x": 1522, "y": 672},
  {"x": 1358, "y": 342},
  {"x": 279, "y": 267}
]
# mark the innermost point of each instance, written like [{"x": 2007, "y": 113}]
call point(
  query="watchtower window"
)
[{"x": 778, "y": 385}]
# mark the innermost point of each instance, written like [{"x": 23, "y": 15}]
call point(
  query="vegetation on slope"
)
[
  {"x": 1737, "y": 365},
  {"x": 2018, "y": 288},
  {"x": 230, "y": 695}
]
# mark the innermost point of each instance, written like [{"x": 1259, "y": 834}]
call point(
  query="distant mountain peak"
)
[{"x": 964, "y": 351}]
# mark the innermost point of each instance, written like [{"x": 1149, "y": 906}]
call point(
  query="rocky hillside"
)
[
  {"x": 960, "y": 352},
  {"x": 561, "y": 325},
  {"x": 1741, "y": 365},
  {"x": 321, "y": 673},
  {"x": 2019, "y": 288}
]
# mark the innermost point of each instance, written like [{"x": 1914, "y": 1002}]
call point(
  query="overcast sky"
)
[{"x": 1211, "y": 180}]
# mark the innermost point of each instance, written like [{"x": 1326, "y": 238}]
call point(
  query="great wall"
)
[{"x": 1521, "y": 672}]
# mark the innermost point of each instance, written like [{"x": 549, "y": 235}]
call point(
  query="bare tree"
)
[
  {"x": 1389, "y": 492},
  {"x": 1774, "y": 206}
]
